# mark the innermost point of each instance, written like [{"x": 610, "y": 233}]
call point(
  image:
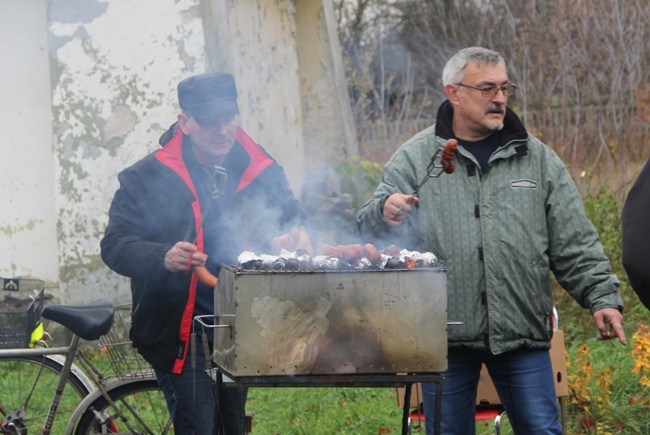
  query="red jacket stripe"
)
[
  {"x": 171, "y": 155},
  {"x": 259, "y": 159}
]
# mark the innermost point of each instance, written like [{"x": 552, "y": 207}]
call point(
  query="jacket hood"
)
[{"x": 168, "y": 134}]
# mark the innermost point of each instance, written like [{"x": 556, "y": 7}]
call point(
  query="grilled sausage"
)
[
  {"x": 372, "y": 253},
  {"x": 331, "y": 251},
  {"x": 349, "y": 253},
  {"x": 204, "y": 276},
  {"x": 448, "y": 156}
]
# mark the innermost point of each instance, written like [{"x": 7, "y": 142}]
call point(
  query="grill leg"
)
[
  {"x": 406, "y": 409},
  {"x": 406, "y": 430},
  {"x": 497, "y": 424},
  {"x": 243, "y": 420}
]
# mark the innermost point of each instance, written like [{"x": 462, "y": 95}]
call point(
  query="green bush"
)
[
  {"x": 360, "y": 178},
  {"x": 604, "y": 211}
]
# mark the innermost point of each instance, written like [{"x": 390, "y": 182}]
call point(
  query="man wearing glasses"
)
[{"x": 501, "y": 222}]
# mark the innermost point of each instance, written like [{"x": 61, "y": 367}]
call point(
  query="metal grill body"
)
[{"x": 335, "y": 322}]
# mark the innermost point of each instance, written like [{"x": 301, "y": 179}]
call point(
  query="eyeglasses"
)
[{"x": 490, "y": 91}]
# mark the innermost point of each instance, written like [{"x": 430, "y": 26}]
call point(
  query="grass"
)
[
  {"x": 324, "y": 410},
  {"x": 330, "y": 411}
]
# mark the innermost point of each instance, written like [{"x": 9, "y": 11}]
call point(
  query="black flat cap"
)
[{"x": 206, "y": 97}]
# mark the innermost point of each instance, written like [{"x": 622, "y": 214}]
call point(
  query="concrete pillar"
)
[
  {"x": 28, "y": 230},
  {"x": 328, "y": 125}
]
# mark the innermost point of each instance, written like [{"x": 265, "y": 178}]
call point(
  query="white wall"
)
[
  {"x": 116, "y": 66},
  {"x": 88, "y": 86},
  {"x": 28, "y": 237}
]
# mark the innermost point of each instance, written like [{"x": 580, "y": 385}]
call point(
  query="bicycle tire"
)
[
  {"x": 19, "y": 373},
  {"x": 142, "y": 403}
]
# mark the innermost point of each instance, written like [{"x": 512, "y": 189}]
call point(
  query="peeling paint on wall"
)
[
  {"x": 113, "y": 67},
  {"x": 9, "y": 230},
  {"x": 114, "y": 93}
]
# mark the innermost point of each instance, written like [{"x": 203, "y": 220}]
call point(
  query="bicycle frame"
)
[
  {"x": 69, "y": 353},
  {"x": 57, "y": 354},
  {"x": 95, "y": 383}
]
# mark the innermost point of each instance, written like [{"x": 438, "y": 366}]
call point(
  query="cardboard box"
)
[
  {"x": 486, "y": 393},
  {"x": 558, "y": 361}
]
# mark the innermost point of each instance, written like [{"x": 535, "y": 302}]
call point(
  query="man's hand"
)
[
  {"x": 609, "y": 322},
  {"x": 183, "y": 256},
  {"x": 396, "y": 207}
]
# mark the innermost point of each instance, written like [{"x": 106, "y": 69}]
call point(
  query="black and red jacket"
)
[{"x": 157, "y": 205}]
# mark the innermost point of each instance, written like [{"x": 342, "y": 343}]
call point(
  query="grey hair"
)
[{"x": 455, "y": 67}]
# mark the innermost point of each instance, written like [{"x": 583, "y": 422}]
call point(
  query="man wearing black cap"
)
[{"x": 208, "y": 194}]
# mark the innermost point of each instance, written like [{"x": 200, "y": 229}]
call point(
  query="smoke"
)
[
  {"x": 250, "y": 221},
  {"x": 329, "y": 210}
]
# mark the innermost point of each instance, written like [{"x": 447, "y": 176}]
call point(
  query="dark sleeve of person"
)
[
  {"x": 636, "y": 235},
  {"x": 143, "y": 225}
]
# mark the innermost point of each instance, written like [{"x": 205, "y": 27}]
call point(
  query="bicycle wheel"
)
[
  {"x": 142, "y": 405},
  {"x": 27, "y": 385}
]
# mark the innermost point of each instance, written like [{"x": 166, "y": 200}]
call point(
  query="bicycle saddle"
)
[{"x": 87, "y": 321}]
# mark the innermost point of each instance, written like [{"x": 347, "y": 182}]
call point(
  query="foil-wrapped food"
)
[{"x": 340, "y": 257}]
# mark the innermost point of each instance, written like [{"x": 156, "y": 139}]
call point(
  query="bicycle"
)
[{"x": 43, "y": 389}]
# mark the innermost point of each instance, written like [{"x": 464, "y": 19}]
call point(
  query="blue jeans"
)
[
  {"x": 190, "y": 398},
  {"x": 523, "y": 379}
]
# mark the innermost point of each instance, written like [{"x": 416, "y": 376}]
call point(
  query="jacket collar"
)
[
  {"x": 513, "y": 128},
  {"x": 245, "y": 161}
]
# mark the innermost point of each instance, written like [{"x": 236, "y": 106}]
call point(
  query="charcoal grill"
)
[
  {"x": 331, "y": 328},
  {"x": 331, "y": 322}
]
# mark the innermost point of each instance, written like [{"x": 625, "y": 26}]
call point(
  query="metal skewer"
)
[{"x": 441, "y": 162}]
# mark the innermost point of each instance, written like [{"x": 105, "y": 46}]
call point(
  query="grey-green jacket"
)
[{"x": 499, "y": 233}]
